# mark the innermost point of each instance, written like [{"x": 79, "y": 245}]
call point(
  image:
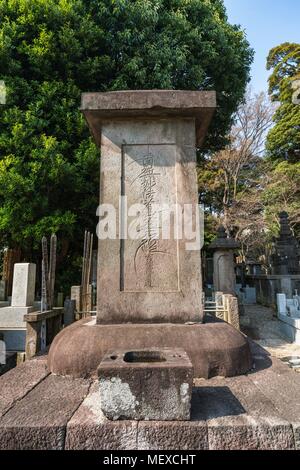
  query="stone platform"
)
[
  {"x": 261, "y": 410},
  {"x": 214, "y": 347}
]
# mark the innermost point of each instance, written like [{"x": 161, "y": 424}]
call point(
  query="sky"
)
[{"x": 267, "y": 23}]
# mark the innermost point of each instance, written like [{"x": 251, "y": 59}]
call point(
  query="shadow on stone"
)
[
  {"x": 251, "y": 332},
  {"x": 214, "y": 402},
  {"x": 261, "y": 358}
]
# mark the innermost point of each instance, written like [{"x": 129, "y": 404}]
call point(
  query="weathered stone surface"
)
[
  {"x": 150, "y": 103},
  {"x": 282, "y": 386},
  {"x": 243, "y": 433},
  {"x": 69, "y": 311},
  {"x": 23, "y": 285},
  {"x": 89, "y": 429},
  {"x": 146, "y": 384},
  {"x": 258, "y": 411},
  {"x": 233, "y": 312},
  {"x": 214, "y": 348},
  {"x": 239, "y": 416},
  {"x": 76, "y": 295},
  {"x": 16, "y": 383},
  {"x": 172, "y": 435},
  {"x": 147, "y": 279},
  {"x": 39, "y": 420}
]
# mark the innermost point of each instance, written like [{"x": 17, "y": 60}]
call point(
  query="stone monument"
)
[
  {"x": 286, "y": 255},
  {"x": 149, "y": 288},
  {"x": 23, "y": 285},
  {"x": 224, "y": 273},
  {"x": 148, "y": 154}
]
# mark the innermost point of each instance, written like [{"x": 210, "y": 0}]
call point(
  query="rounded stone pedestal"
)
[{"x": 215, "y": 348}]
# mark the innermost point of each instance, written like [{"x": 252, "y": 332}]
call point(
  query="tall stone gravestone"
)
[{"x": 148, "y": 145}]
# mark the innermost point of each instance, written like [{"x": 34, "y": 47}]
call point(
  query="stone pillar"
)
[
  {"x": 281, "y": 304},
  {"x": 224, "y": 273},
  {"x": 148, "y": 145},
  {"x": 76, "y": 296},
  {"x": 233, "y": 312},
  {"x": 219, "y": 305},
  {"x": 33, "y": 338},
  {"x": 23, "y": 285},
  {"x": 69, "y": 311},
  {"x": 2, "y": 290}
]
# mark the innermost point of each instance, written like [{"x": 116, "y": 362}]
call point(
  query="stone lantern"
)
[{"x": 224, "y": 272}]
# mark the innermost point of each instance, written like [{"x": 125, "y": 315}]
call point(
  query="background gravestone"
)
[
  {"x": 224, "y": 272},
  {"x": 23, "y": 285}
]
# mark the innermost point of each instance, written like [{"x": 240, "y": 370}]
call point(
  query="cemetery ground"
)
[{"x": 262, "y": 325}]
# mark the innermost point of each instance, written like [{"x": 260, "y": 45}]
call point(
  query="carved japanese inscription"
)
[{"x": 149, "y": 259}]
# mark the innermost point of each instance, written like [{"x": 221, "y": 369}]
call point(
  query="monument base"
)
[
  {"x": 215, "y": 347},
  {"x": 260, "y": 411}
]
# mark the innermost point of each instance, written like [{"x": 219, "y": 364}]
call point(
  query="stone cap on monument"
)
[
  {"x": 222, "y": 242},
  {"x": 155, "y": 104}
]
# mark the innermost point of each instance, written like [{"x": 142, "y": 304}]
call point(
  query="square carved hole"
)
[{"x": 144, "y": 356}]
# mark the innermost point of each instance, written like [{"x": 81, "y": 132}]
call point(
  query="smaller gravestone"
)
[
  {"x": 288, "y": 312},
  {"x": 60, "y": 299},
  {"x": 23, "y": 285},
  {"x": 2, "y": 351},
  {"x": 69, "y": 311},
  {"x": 76, "y": 296},
  {"x": 12, "y": 322},
  {"x": 224, "y": 273}
]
